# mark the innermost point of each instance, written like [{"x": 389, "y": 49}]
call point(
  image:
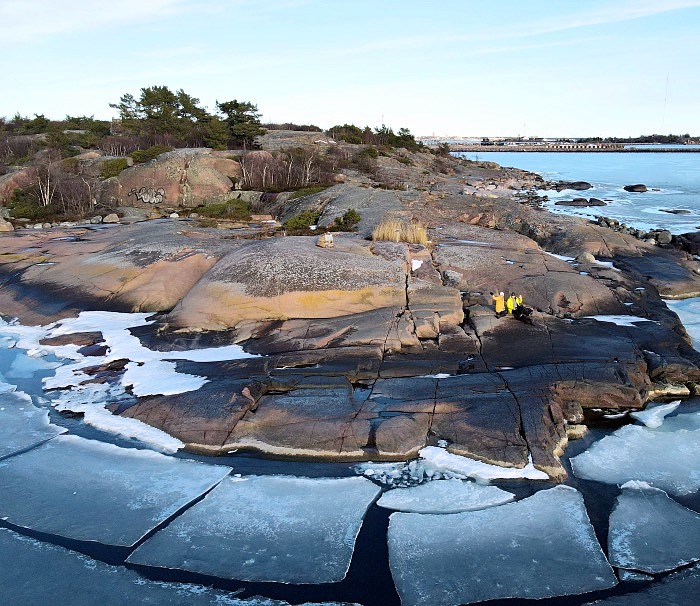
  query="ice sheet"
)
[
  {"x": 651, "y": 532},
  {"x": 266, "y": 528},
  {"x": 667, "y": 457},
  {"x": 653, "y": 416},
  {"x": 444, "y": 496},
  {"x": 92, "y": 491},
  {"x": 542, "y": 546},
  {"x": 22, "y": 425},
  {"x": 33, "y": 572}
]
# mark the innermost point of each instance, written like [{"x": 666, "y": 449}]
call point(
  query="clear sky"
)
[{"x": 446, "y": 67}]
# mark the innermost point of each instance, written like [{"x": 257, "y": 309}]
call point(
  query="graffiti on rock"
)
[{"x": 148, "y": 195}]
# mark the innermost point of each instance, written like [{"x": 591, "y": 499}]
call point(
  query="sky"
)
[{"x": 543, "y": 68}]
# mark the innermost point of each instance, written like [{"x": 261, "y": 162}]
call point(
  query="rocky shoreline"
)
[{"x": 371, "y": 350}]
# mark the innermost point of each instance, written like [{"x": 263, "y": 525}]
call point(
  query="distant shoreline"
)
[{"x": 574, "y": 150}]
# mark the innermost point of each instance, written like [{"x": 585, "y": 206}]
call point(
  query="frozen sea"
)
[{"x": 673, "y": 181}]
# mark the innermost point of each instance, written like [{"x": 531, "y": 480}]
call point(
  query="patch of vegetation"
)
[
  {"x": 144, "y": 155},
  {"x": 23, "y": 204},
  {"x": 233, "y": 210},
  {"x": 347, "y": 222},
  {"x": 370, "y": 152},
  {"x": 111, "y": 168},
  {"x": 406, "y": 161},
  {"x": 307, "y": 191},
  {"x": 303, "y": 220},
  {"x": 398, "y": 230}
]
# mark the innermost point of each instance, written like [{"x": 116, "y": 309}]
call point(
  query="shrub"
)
[
  {"x": 23, "y": 204},
  {"x": 303, "y": 220},
  {"x": 370, "y": 151},
  {"x": 111, "y": 168},
  {"x": 234, "y": 210},
  {"x": 398, "y": 230},
  {"x": 144, "y": 155},
  {"x": 348, "y": 221}
]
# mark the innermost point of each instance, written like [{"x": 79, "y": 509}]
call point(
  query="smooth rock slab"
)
[
  {"x": 540, "y": 547},
  {"x": 651, "y": 532},
  {"x": 33, "y": 572},
  {"x": 667, "y": 457},
  {"x": 267, "y": 528},
  {"x": 91, "y": 491},
  {"x": 22, "y": 425},
  {"x": 444, "y": 496}
]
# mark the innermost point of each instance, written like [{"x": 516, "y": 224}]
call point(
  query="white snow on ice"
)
[
  {"x": 621, "y": 320},
  {"x": 280, "y": 529}
]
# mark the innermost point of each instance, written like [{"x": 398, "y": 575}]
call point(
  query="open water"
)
[{"x": 673, "y": 181}]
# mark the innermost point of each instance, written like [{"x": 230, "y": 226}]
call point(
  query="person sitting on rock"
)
[{"x": 499, "y": 303}]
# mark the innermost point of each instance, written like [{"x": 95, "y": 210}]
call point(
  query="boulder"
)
[
  {"x": 5, "y": 225},
  {"x": 639, "y": 187},
  {"x": 182, "y": 178},
  {"x": 110, "y": 218},
  {"x": 664, "y": 237},
  {"x": 575, "y": 185}
]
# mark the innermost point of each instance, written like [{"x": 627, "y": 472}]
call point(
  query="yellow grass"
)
[{"x": 398, "y": 230}]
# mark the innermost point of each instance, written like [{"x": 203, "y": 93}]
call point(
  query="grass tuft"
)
[{"x": 398, "y": 230}]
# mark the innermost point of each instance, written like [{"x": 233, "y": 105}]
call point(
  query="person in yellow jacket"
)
[
  {"x": 513, "y": 302},
  {"x": 499, "y": 302}
]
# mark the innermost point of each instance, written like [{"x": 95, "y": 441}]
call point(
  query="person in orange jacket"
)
[{"x": 499, "y": 302}]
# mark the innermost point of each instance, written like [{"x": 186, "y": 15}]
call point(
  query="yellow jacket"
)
[{"x": 499, "y": 302}]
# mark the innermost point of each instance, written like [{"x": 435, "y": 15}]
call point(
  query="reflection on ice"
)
[
  {"x": 266, "y": 528},
  {"x": 667, "y": 457},
  {"x": 38, "y": 573},
  {"x": 651, "y": 532},
  {"x": 91, "y": 491},
  {"x": 542, "y": 546},
  {"x": 22, "y": 425},
  {"x": 444, "y": 496}
]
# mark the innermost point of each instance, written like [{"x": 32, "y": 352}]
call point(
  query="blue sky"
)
[{"x": 504, "y": 67}]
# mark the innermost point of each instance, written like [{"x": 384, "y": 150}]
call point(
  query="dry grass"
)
[{"x": 398, "y": 230}]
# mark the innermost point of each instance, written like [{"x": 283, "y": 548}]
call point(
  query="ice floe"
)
[
  {"x": 280, "y": 529},
  {"x": 653, "y": 416},
  {"x": 444, "y": 496},
  {"x": 651, "y": 532},
  {"x": 22, "y": 425},
  {"x": 92, "y": 491},
  {"x": 667, "y": 457},
  {"x": 442, "y": 460},
  {"x": 540, "y": 547},
  {"x": 33, "y": 572}
]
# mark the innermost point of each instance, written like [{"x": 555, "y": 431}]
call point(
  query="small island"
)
[{"x": 356, "y": 266}]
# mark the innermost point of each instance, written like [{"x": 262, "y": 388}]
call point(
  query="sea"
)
[
  {"x": 273, "y": 533},
  {"x": 673, "y": 181}
]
